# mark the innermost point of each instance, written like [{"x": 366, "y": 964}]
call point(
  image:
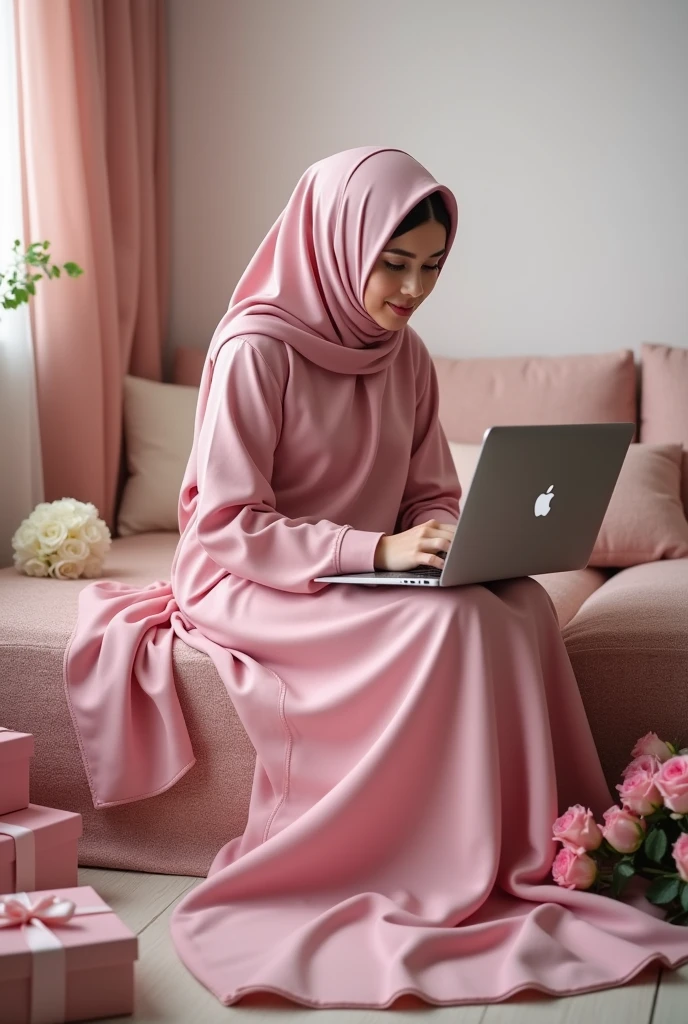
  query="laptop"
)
[{"x": 535, "y": 505}]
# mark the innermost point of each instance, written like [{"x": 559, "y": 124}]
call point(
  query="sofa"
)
[{"x": 624, "y": 618}]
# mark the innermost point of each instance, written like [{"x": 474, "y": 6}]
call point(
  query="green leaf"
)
[
  {"x": 656, "y": 844},
  {"x": 663, "y": 890},
  {"x": 684, "y": 896},
  {"x": 73, "y": 269},
  {"x": 56, "y": 271},
  {"x": 623, "y": 871}
]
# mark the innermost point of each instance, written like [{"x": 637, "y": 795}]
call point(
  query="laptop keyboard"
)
[{"x": 423, "y": 570}]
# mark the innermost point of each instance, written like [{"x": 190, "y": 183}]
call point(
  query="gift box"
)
[
  {"x": 38, "y": 849},
  {"x": 64, "y": 956},
  {"x": 16, "y": 750}
]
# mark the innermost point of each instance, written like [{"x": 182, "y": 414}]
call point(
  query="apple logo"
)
[{"x": 543, "y": 500}]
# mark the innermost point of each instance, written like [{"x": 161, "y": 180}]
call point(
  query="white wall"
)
[{"x": 560, "y": 124}]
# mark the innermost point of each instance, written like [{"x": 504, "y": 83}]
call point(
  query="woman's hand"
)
[{"x": 417, "y": 546}]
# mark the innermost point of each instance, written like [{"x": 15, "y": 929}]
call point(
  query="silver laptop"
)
[{"x": 535, "y": 505}]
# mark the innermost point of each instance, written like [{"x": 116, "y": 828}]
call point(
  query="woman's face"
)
[{"x": 404, "y": 275}]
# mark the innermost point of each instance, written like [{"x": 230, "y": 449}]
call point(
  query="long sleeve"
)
[
  {"x": 432, "y": 489},
  {"x": 237, "y": 523}
]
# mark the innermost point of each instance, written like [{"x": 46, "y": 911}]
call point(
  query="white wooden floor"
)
[{"x": 166, "y": 992}]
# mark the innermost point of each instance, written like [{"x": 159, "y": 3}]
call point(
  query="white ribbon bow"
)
[{"x": 50, "y": 909}]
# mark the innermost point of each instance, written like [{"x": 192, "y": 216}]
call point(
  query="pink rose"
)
[
  {"x": 639, "y": 793},
  {"x": 623, "y": 830},
  {"x": 577, "y": 829},
  {"x": 672, "y": 783},
  {"x": 650, "y": 743},
  {"x": 680, "y": 852},
  {"x": 644, "y": 763},
  {"x": 573, "y": 870}
]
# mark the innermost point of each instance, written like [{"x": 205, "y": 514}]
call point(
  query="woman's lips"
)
[{"x": 401, "y": 310}]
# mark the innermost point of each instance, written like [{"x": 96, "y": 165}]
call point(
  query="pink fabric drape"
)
[{"x": 92, "y": 84}]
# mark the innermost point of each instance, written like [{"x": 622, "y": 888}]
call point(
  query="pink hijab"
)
[{"x": 305, "y": 284}]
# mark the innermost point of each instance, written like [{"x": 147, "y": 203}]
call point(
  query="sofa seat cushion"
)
[
  {"x": 179, "y": 831},
  {"x": 42, "y": 612},
  {"x": 628, "y": 645}
]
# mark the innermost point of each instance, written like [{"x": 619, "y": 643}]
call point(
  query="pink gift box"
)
[
  {"x": 38, "y": 849},
  {"x": 16, "y": 750},
  {"x": 88, "y": 972}
]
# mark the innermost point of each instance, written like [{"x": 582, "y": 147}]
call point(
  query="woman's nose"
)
[{"x": 412, "y": 286}]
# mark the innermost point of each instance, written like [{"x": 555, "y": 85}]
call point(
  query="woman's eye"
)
[{"x": 401, "y": 266}]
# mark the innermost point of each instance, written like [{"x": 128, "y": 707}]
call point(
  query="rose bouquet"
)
[
  {"x": 646, "y": 836},
  {"x": 63, "y": 539}
]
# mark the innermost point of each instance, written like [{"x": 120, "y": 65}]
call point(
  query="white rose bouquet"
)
[{"x": 63, "y": 539}]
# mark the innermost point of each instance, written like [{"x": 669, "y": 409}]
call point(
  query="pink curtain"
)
[{"x": 93, "y": 96}]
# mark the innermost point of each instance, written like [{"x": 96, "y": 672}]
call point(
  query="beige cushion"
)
[
  {"x": 664, "y": 401},
  {"x": 644, "y": 521},
  {"x": 158, "y": 433}
]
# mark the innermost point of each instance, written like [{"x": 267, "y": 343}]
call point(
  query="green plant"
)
[{"x": 18, "y": 281}]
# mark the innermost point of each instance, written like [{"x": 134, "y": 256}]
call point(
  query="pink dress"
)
[{"x": 413, "y": 747}]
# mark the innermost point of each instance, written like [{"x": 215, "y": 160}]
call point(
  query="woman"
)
[{"x": 413, "y": 749}]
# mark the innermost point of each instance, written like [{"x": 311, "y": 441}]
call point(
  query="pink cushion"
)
[
  {"x": 664, "y": 400},
  {"x": 479, "y": 393},
  {"x": 188, "y": 365},
  {"x": 645, "y": 520}
]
